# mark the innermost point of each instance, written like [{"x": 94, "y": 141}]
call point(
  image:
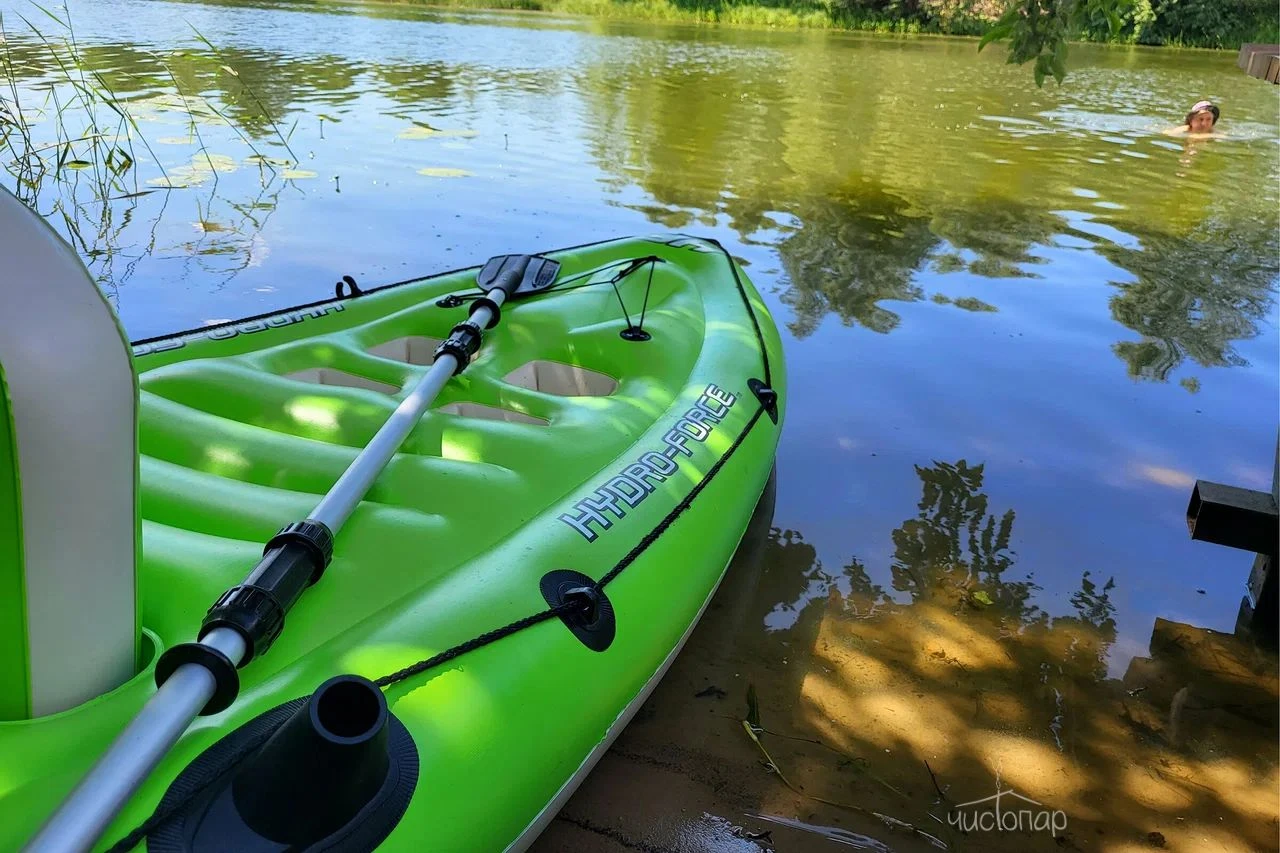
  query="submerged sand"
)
[{"x": 882, "y": 719}]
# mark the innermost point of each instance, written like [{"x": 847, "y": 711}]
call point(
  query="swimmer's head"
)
[{"x": 1202, "y": 118}]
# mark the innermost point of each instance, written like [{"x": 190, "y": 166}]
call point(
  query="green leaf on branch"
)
[
  {"x": 1058, "y": 65},
  {"x": 1041, "y": 30},
  {"x": 1001, "y": 29},
  {"x": 1059, "y": 69},
  {"x": 1042, "y": 69}
]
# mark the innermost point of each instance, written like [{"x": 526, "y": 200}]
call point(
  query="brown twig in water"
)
[
  {"x": 936, "y": 786},
  {"x": 825, "y": 746},
  {"x": 951, "y": 836},
  {"x": 883, "y": 818}
]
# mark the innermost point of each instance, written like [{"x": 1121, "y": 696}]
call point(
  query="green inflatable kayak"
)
[{"x": 408, "y": 558}]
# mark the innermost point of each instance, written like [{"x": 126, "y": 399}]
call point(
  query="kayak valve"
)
[
  {"x": 320, "y": 768},
  {"x": 338, "y": 769}
]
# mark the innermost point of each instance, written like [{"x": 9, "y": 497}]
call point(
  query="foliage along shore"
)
[{"x": 1179, "y": 23}]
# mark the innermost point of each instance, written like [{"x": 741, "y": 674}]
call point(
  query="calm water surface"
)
[{"x": 1019, "y": 323}]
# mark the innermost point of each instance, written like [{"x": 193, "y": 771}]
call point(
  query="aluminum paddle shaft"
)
[
  {"x": 200, "y": 677},
  {"x": 86, "y": 813}
]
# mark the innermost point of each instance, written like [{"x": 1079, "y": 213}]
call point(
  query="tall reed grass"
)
[{"x": 73, "y": 151}]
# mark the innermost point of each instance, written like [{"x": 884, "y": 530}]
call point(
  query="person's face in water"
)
[{"x": 1202, "y": 122}]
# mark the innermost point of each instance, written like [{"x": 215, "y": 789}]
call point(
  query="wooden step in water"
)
[{"x": 1261, "y": 61}]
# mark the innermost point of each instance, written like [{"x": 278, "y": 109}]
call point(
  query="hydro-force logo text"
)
[{"x": 635, "y": 482}]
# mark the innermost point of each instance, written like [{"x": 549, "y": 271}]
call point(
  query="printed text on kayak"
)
[{"x": 629, "y": 487}]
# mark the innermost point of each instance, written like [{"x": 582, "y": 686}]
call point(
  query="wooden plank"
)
[
  {"x": 1258, "y": 63},
  {"x": 1247, "y": 50},
  {"x": 1273, "y": 70}
]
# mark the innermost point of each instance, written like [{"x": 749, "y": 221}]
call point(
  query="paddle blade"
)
[{"x": 518, "y": 275}]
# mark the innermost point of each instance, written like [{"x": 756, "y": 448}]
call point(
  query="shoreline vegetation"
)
[{"x": 1213, "y": 24}]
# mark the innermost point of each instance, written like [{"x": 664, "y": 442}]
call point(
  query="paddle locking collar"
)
[
  {"x": 462, "y": 343},
  {"x": 293, "y": 560}
]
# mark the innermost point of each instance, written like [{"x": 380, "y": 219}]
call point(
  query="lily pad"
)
[
  {"x": 256, "y": 159},
  {"x": 176, "y": 140},
  {"x": 78, "y": 164},
  {"x": 190, "y": 106},
  {"x": 293, "y": 174},
  {"x": 180, "y": 178},
  {"x": 213, "y": 162},
  {"x": 420, "y": 132},
  {"x": 438, "y": 172}
]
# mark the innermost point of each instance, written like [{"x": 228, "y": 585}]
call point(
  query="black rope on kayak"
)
[
  {"x": 679, "y": 508},
  {"x": 751, "y": 312},
  {"x": 473, "y": 644},
  {"x": 629, "y": 266},
  {"x": 626, "y": 316},
  {"x": 635, "y": 332},
  {"x": 649, "y": 286}
]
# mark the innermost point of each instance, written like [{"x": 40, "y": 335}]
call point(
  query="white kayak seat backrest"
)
[{"x": 68, "y": 560}]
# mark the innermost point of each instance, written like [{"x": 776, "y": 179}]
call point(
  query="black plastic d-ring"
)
[
  {"x": 767, "y": 396},
  {"x": 593, "y": 623},
  {"x": 226, "y": 680},
  {"x": 351, "y": 283}
]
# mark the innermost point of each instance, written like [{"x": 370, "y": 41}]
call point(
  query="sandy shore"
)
[{"x": 859, "y": 693}]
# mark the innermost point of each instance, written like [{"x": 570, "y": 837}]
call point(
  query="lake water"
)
[{"x": 1019, "y": 322}]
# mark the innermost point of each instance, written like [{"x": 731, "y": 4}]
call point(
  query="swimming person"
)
[{"x": 1201, "y": 121}]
